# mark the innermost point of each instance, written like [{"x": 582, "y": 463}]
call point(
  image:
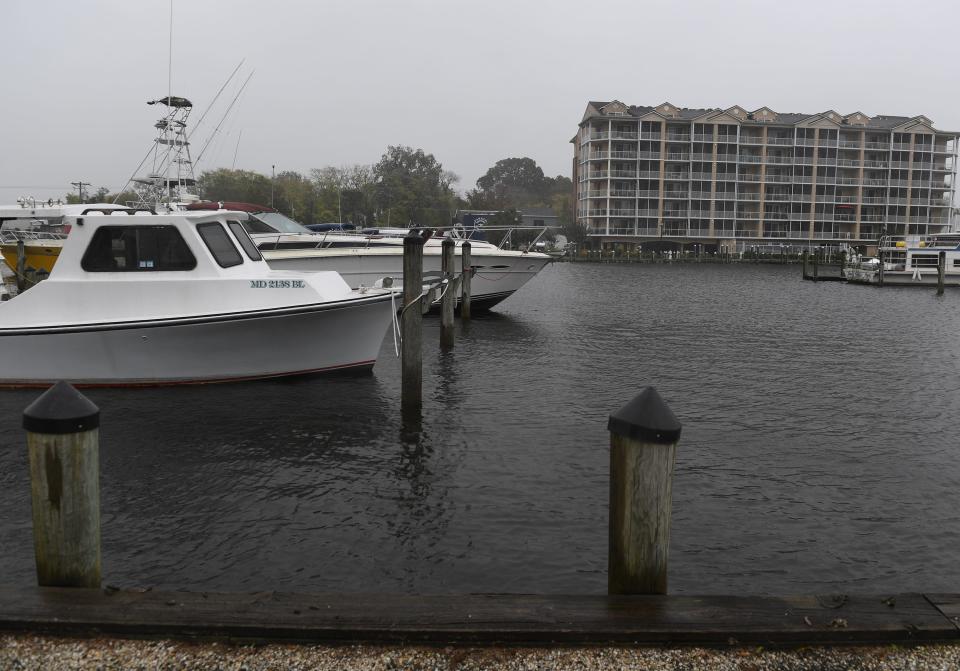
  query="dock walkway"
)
[{"x": 495, "y": 619}]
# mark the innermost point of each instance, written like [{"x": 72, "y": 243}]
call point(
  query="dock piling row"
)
[{"x": 466, "y": 267}]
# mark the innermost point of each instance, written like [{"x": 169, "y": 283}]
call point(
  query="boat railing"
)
[{"x": 15, "y": 235}]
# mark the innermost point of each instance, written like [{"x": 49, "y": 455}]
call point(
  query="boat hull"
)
[
  {"x": 218, "y": 348},
  {"x": 494, "y": 279},
  {"x": 36, "y": 256}
]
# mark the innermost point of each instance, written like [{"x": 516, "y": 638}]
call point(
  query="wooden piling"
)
[
  {"x": 412, "y": 324},
  {"x": 63, "y": 442},
  {"x": 466, "y": 265},
  {"x": 880, "y": 267},
  {"x": 21, "y": 267},
  {"x": 643, "y": 444},
  {"x": 816, "y": 266},
  {"x": 941, "y": 271},
  {"x": 447, "y": 305}
]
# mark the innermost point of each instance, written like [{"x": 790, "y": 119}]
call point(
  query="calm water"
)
[{"x": 819, "y": 449}]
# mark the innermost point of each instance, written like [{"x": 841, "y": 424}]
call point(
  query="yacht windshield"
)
[{"x": 273, "y": 222}]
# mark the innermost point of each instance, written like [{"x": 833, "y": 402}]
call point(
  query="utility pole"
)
[
  {"x": 80, "y": 186},
  {"x": 273, "y": 178}
]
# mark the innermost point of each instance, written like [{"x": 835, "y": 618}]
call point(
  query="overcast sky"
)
[{"x": 336, "y": 81}]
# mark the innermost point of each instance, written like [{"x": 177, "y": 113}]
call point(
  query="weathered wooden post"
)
[
  {"x": 21, "y": 267},
  {"x": 643, "y": 445},
  {"x": 466, "y": 266},
  {"x": 447, "y": 329},
  {"x": 411, "y": 396},
  {"x": 941, "y": 271},
  {"x": 63, "y": 437},
  {"x": 816, "y": 265}
]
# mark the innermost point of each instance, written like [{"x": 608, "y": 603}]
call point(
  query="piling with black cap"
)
[
  {"x": 643, "y": 444},
  {"x": 63, "y": 439},
  {"x": 466, "y": 266},
  {"x": 412, "y": 324},
  {"x": 941, "y": 271},
  {"x": 448, "y": 303}
]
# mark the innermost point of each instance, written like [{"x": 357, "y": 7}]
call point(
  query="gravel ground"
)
[{"x": 55, "y": 654}]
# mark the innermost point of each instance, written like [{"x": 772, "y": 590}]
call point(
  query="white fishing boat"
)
[
  {"x": 146, "y": 299},
  {"x": 365, "y": 257},
  {"x": 911, "y": 261}
]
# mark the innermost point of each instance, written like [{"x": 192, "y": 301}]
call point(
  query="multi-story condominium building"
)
[{"x": 734, "y": 178}]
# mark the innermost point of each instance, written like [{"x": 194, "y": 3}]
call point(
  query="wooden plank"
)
[
  {"x": 948, "y": 604},
  {"x": 477, "y": 619}
]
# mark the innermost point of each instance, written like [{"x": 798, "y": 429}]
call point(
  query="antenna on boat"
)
[
  {"x": 239, "y": 135},
  {"x": 224, "y": 117},
  {"x": 215, "y": 98}
]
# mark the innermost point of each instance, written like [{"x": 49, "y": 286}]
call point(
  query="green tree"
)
[
  {"x": 512, "y": 182},
  {"x": 413, "y": 189},
  {"x": 242, "y": 186}
]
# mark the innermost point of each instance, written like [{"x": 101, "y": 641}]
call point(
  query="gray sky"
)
[{"x": 336, "y": 81}]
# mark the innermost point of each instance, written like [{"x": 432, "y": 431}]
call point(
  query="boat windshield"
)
[{"x": 274, "y": 222}]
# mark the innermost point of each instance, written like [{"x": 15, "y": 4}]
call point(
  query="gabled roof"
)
[
  {"x": 856, "y": 119},
  {"x": 763, "y": 114}
]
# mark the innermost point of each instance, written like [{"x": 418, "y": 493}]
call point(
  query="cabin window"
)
[
  {"x": 218, "y": 242},
  {"x": 116, "y": 249},
  {"x": 245, "y": 242}
]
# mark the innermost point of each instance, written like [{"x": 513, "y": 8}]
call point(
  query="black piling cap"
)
[
  {"x": 61, "y": 409},
  {"x": 413, "y": 239},
  {"x": 646, "y": 418}
]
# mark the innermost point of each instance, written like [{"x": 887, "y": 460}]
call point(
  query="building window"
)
[
  {"x": 218, "y": 242},
  {"x": 119, "y": 249}
]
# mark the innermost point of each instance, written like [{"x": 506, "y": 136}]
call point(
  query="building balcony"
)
[
  {"x": 702, "y": 157},
  {"x": 748, "y": 158},
  {"x": 778, "y": 197},
  {"x": 650, "y": 136},
  {"x": 678, "y": 137},
  {"x": 649, "y": 154},
  {"x": 751, "y": 139},
  {"x": 787, "y": 141},
  {"x": 746, "y": 177},
  {"x": 777, "y": 178},
  {"x": 805, "y": 142},
  {"x": 701, "y": 176},
  {"x": 702, "y": 138},
  {"x": 623, "y": 193},
  {"x": 724, "y": 195},
  {"x": 647, "y": 213},
  {"x": 700, "y": 195},
  {"x": 875, "y": 164},
  {"x": 901, "y": 146},
  {"x": 884, "y": 146},
  {"x": 848, "y": 181},
  {"x": 745, "y": 195},
  {"x": 649, "y": 174},
  {"x": 848, "y": 163},
  {"x": 803, "y": 160},
  {"x": 727, "y": 139},
  {"x": 676, "y": 156},
  {"x": 849, "y": 144},
  {"x": 676, "y": 175},
  {"x": 783, "y": 160},
  {"x": 676, "y": 195},
  {"x": 623, "y": 213},
  {"x": 626, "y": 174},
  {"x": 654, "y": 193}
]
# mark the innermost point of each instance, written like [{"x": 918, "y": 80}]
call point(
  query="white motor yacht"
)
[
  {"x": 146, "y": 299},
  {"x": 365, "y": 257}
]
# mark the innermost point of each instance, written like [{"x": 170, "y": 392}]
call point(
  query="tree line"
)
[{"x": 406, "y": 187}]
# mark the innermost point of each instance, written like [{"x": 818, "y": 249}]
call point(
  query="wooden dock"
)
[{"x": 492, "y": 619}]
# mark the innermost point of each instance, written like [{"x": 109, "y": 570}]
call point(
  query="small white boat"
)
[
  {"x": 365, "y": 257},
  {"x": 909, "y": 262},
  {"x": 146, "y": 299}
]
